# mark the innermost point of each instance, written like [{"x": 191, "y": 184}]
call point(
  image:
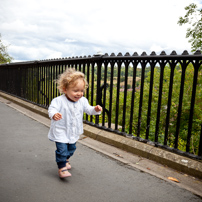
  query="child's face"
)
[{"x": 75, "y": 92}]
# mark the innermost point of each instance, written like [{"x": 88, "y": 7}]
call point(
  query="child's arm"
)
[
  {"x": 91, "y": 110},
  {"x": 54, "y": 109},
  {"x": 98, "y": 108},
  {"x": 57, "y": 116}
]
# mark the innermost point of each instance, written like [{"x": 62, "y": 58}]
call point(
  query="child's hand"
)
[
  {"x": 98, "y": 108},
  {"x": 57, "y": 116}
]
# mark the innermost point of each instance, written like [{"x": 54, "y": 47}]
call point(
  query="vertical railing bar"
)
[
  {"x": 23, "y": 82},
  {"x": 9, "y": 79},
  {"x": 141, "y": 97},
  {"x": 84, "y": 71},
  {"x": 150, "y": 98},
  {"x": 51, "y": 83},
  {"x": 184, "y": 65},
  {"x": 125, "y": 96},
  {"x": 6, "y": 80},
  {"x": 12, "y": 73},
  {"x": 98, "y": 99},
  {"x": 37, "y": 83},
  {"x": 33, "y": 85},
  {"x": 196, "y": 68},
  {"x": 13, "y": 87},
  {"x": 42, "y": 84},
  {"x": 76, "y": 67},
  {"x": 172, "y": 66},
  {"x": 63, "y": 67},
  {"x": 46, "y": 84},
  {"x": 104, "y": 96},
  {"x": 54, "y": 80},
  {"x": 84, "y": 67},
  {"x": 135, "y": 63},
  {"x": 88, "y": 77},
  {"x": 30, "y": 83},
  {"x": 16, "y": 81},
  {"x": 26, "y": 82},
  {"x": 117, "y": 95},
  {"x": 30, "y": 86},
  {"x": 57, "y": 74},
  {"x": 92, "y": 87},
  {"x": 162, "y": 66},
  {"x": 111, "y": 92},
  {"x": 13, "y": 80},
  {"x": 80, "y": 67},
  {"x": 20, "y": 81}
]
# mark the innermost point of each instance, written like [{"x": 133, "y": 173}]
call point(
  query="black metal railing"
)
[{"x": 154, "y": 99}]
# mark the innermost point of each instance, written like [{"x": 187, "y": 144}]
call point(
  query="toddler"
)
[{"x": 66, "y": 113}]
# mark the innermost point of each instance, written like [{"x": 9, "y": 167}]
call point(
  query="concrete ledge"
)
[
  {"x": 177, "y": 162},
  {"x": 27, "y": 105},
  {"x": 172, "y": 160}
]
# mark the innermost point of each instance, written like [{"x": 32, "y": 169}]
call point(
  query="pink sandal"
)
[
  {"x": 68, "y": 166},
  {"x": 63, "y": 172}
]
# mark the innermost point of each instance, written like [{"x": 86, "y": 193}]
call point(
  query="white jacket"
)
[{"x": 70, "y": 127}]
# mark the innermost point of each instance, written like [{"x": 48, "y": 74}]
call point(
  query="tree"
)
[
  {"x": 193, "y": 17},
  {"x": 4, "y": 56}
]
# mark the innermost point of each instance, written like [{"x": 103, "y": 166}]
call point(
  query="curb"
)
[{"x": 172, "y": 160}]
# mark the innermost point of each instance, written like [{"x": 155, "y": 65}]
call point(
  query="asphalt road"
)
[{"x": 28, "y": 172}]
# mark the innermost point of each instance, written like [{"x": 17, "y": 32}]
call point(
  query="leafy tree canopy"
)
[
  {"x": 193, "y": 17},
  {"x": 4, "y": 56}
]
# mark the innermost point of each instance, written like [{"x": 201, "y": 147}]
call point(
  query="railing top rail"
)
[{"x": 163, "y": 55}]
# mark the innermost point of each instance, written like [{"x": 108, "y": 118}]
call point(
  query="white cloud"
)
[
  {"x": 51, "y": 29},
  {"x": 70, "y": 40}
]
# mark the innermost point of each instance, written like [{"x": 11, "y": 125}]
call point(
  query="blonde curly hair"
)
[{"x": 69, "y": 78}]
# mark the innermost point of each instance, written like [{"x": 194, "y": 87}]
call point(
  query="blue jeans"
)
[{"x": 64, "y": 151}]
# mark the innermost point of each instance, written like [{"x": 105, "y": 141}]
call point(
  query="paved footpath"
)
[{"x": 28, "y": 171}]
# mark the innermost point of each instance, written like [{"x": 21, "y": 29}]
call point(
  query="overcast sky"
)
[{"x": 45, "y": 29}]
